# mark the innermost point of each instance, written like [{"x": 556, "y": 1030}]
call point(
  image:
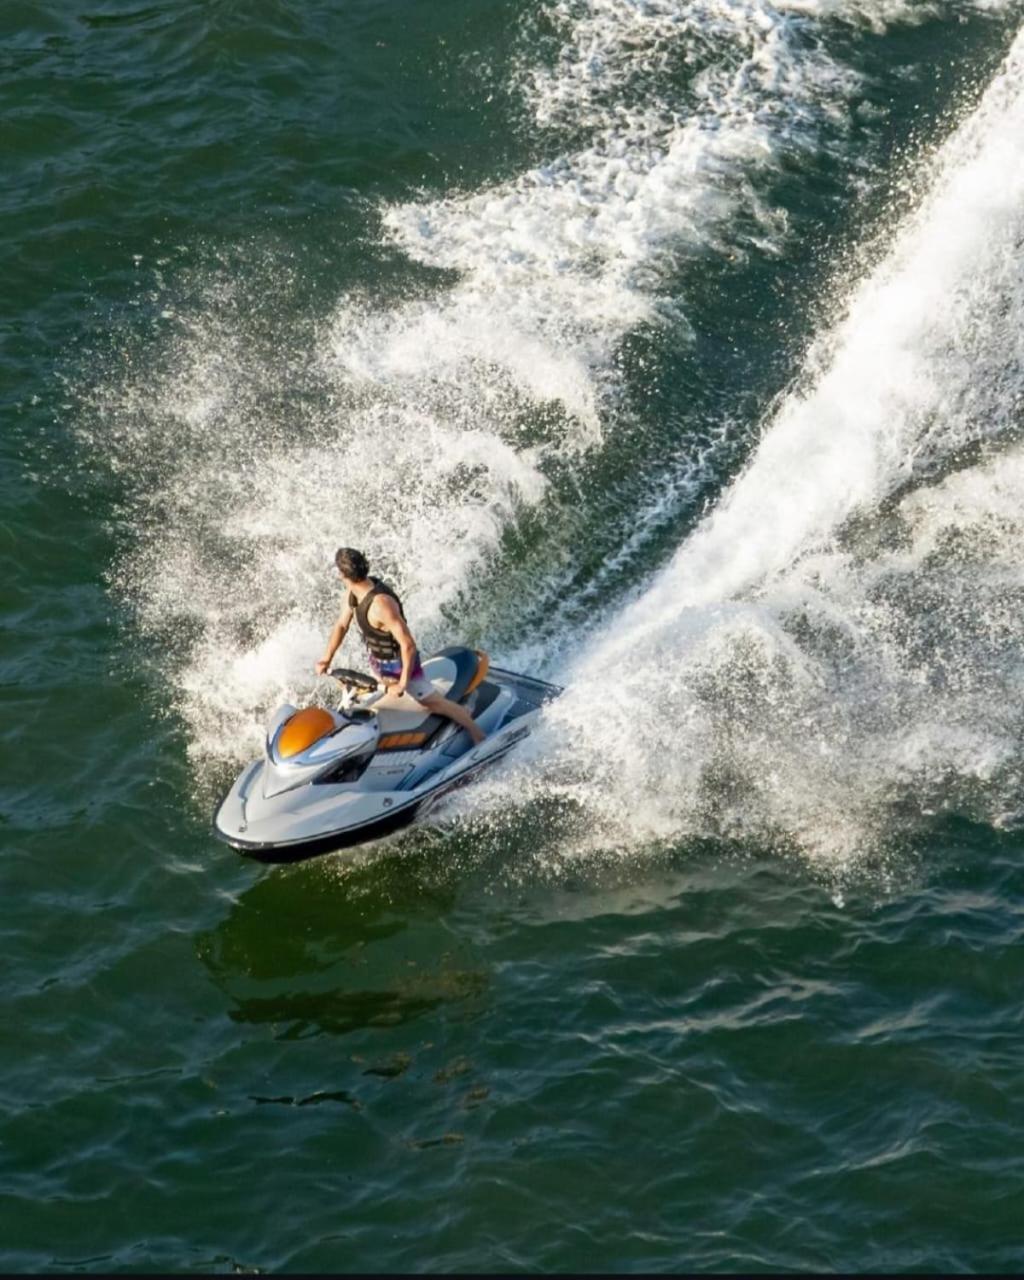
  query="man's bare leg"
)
[{"x": 445, "y": 707}]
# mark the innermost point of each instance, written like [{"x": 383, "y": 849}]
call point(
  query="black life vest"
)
[{"x": 379, "y": 644}]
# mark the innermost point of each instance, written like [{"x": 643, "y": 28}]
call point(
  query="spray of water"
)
[
  {"x": 678, "y": 112},
  {"x": 253, "y": 437},
  {"x": 835, "y": 650},
  {"x": 838, "y": 648}
]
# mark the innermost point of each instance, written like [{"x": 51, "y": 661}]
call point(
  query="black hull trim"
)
[
  {"x": 303, "y": 849},
  {"x": 388, "y": 824}
]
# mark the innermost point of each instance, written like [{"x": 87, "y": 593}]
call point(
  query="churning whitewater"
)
[
  {"x": 840, "y": 641},
  {"x": 786, "y": 675},
  {"x": 668, "y": 351}
]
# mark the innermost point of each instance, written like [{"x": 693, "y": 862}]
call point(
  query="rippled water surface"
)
[{"x": 671, "y": 350}]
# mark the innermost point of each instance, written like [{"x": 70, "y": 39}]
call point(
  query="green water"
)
[{"x": 725, "y": 973}]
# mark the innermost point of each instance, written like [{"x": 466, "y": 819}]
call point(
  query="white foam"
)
[
  {"x": 252, "y": 444},
  {"x": 558, "y": 263},
  {"x": 792, "y": 673}
]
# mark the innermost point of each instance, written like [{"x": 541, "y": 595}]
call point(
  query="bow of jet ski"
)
[{"x": 333, "y": 778}]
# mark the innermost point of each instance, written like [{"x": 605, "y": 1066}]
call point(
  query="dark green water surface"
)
[{"x": 780, "y": 1028}]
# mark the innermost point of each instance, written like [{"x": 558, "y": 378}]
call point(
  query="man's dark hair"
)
[{"x": 351, "y": 564}]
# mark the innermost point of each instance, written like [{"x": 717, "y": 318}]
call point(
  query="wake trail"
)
[
  {"x": 252, "y": 435},
  {"x": 838, "y": 647}
]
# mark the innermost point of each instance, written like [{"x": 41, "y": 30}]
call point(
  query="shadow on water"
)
[
  {"x": 334, "y": 947},
  {"x": 376, "y": 940}
]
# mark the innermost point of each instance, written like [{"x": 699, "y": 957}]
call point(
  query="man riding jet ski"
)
[
  {"x": 389, "y": 644},
  {"x": 330, "y": 779}
]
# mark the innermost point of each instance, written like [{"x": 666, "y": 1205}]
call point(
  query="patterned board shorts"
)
[{"x": 419, "y": 687}]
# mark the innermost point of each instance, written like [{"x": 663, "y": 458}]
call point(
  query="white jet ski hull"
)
[{"x": 284, "y": 811}]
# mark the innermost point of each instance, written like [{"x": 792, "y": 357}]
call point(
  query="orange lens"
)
[{"x": 303, "y": 729}]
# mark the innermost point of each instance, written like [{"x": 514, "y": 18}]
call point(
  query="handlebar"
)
[
  {"x": 357, "y": 687},
  {"x": 356, "y": 679}
]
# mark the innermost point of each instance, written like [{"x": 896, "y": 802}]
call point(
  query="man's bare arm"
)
[
  {"x": 335, "y": 639},
  {"x": 389, "y": 618}
]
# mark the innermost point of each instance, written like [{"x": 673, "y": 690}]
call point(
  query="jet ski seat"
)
[
  {"x": 455, "y": 672},
  {"x": 458, "y": 669}
]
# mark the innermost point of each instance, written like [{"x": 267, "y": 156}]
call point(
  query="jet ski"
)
[{"x": 331, "y": 778}]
